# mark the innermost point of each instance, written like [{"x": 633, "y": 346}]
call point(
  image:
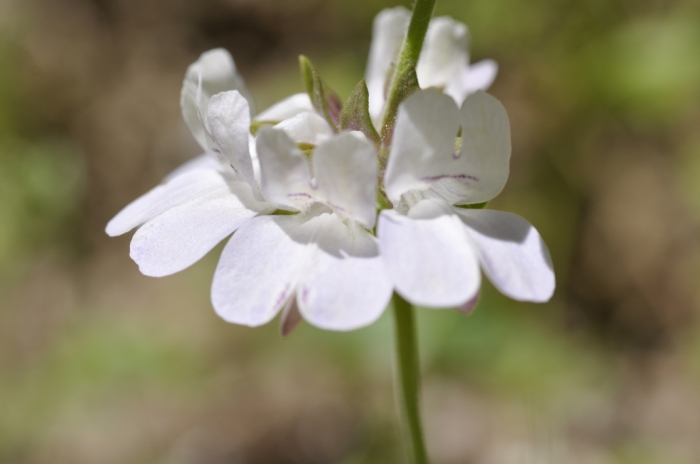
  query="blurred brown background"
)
[{"x": 99, "y": 364}]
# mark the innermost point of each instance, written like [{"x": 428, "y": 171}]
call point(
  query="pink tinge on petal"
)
[
  {"x": 291, "y": 317},
  {"x": 469, "y": 306}
]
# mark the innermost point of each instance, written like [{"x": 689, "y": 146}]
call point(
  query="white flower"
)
[
  {"x": 433, "y": 249},
  {"x": 443, "y": 63},
  {"x": 321, "y": 261},
  {"x": 206, "y": 199}
]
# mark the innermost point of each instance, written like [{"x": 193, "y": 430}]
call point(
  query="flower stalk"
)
[
  {"x": 408, "y": 377},
  {"x": 403, "y": 80}
]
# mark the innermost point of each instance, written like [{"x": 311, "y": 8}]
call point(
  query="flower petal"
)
[
  {"x": 259, "y": 270},
  {"x": 345, "y": 285},
  {"x": 423, "y": 156},
  {"x": 228, "y": 122},
  {"x": 306, "y": 127},
  {"x": 182, "y": 235},
  {"x": 428, "y": 255},
  {"x": 212, "y": 73},
  {"x": 346, "y": 176},
  {"x": 186, "y": 187},
  {"x": 388, "y": 32},
  {"x": 423, "y": 142},
  {"x": 478, "y": 76},
  {"x": 445, "y": 53},
  {"x": 512, "y": 253},
  {"x": 287, "y": 108},
  {"x": 284, "y": 172}
]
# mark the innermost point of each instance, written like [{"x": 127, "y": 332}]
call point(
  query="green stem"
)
[
  {"x": 408, "y": 58},
  {"x": 408, "y": 378}
]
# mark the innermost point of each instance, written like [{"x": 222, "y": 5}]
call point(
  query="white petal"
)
[
  {"x": 512, "y": 253},
  {"x": 259, "y": 270},
  {"x": 284, "y": 172},
  {"x": 228, "y": 122},
  {"x": 306, "y": 127},
  {"x": 423, "y": 156},
  {"x": 190, "y": 185},
  {"x": 388, "y": 32},
  {"x": 485, "y": 156},
  {"x": 445, "y": 53},
  {"x": 423, "y": 141},
  {"x": 212, "y": 73},
  {"x": 205, "y": 161},
  {"x": 182, "y": 235},
  {"x": 345, "y": 285},
  {"x": 346, "y": 176},
  {"x": 287, "y": 108},
  {"x": 428, "y": 255},
  {"x": 479, "y": 76}
]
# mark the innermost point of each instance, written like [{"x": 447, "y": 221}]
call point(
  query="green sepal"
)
[
  {"x": 284, "y": 212},
  {"x": 355, "y": 114},
  {"x": 324, "y": 100},
  {"x": 406, "y": 85}
]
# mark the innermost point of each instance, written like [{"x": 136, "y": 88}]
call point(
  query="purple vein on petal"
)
[{"x": 449, "y": 176}]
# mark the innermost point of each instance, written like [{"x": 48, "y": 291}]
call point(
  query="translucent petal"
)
[
  {"x": 182, "y": 235},
  {"x": 388, "y": 32},
  {"x": 196, "y": 183},
  {"x": 512, "y": 253},
  {"x": 212, "y": 73},
  {"x": 428, "y": 255},
  {"x": 259, "y": 270},
  {"x": 345, "y": 285},
  {"x": 346, "y": 176},
  {"x": 287, "y": 108}
]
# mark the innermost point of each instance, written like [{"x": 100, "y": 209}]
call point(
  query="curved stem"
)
[{"x": 408, "y": 378}]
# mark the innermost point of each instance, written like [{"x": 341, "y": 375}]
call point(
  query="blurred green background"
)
[{"x": 99, "y": 364}]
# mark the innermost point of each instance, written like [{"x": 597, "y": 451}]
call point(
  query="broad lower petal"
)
[
  {"x": 345, "y": 285},
  {"x": 189, "y": 186},
  {"x": 284, "y": 172},
  {"x": 306, "y": 127},
  {"x": 429, "y": 256},
  {"x": 388, "y": 32},
  {"x": 445, "y": 53},
  {"x": 182, "y": 235},
  {"x": 214, "y": 72},
  {"x": 228, "y": 122},
  {"x": 346, "y": 176},
  {"x": 287, "y": 108},
  {"x": 259, "y": 270},
  {"x": 423, "y": 143},
  {"x": 512, "y": 253}
]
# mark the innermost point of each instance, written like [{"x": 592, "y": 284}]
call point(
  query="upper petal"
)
[
  {"x": 306, "y": 127},
  {"x": 388, "y": 32},
  {"x": 423, "y": 155},
  {"x": 287, "y": 108},
  {"x": 214, "y": 72},
  {"x": 477, "y": 76},
  {"x": 259, "y": 270},
  {"x": 182, "y": 235},
  {"x": 180, "y": 189},
  {"x": 512, "y": 253},
  {"x": 346, "y": 176},
  {"x": 445, "y": 53},
  {"x": 345, "y": 285},
  {"x": 228, "y": 122},
  {"x": 423, "y": 143},
  {"x": 284, "y": 172},
  {"x": 428, "y": 255}
]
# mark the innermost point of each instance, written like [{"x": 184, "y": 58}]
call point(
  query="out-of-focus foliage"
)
[{"x": 101, "y": 364}]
